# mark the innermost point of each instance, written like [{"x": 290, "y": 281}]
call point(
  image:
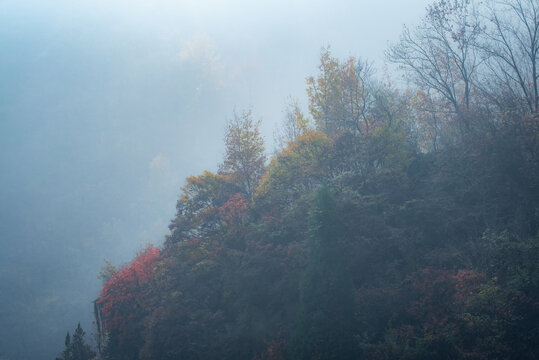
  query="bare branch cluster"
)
[{"x": 474, "y": 56}]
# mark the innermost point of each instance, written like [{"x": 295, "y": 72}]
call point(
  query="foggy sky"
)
[{"x": 106, "y": 107}]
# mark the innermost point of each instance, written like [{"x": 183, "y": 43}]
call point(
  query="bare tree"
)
[
  {"x": 510, "y": 45},
  {"x": 441, "y": 54},
  {"x": 357, "y": 94}
]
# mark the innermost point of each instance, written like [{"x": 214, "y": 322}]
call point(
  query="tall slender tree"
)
[
  {"x": 324, "y": 327},
  {"x": 340, "y": 97},
  {"x": 244, "y": 158}
]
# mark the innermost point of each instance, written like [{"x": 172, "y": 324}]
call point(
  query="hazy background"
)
[{"x": 105, "y": 108}]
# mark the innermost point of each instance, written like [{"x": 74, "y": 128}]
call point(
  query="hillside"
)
[
  {"x": 351, "y": 245},
  {"x": 392, "y": 224}
]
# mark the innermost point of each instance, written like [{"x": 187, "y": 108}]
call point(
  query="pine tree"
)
[
  {"x": 76, "y": 348},
  {"x": 325, "y": 318}
]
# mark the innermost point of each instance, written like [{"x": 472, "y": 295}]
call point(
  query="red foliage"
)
[
  {"x": 233, "y": 210},
  {"x": 438, "y": 285},
  {"x": 275, "y": 349},
  {"x": 127, "y": 291},
  {"x": 441, "y": 295},
  {"x": 467, "y": 283}
]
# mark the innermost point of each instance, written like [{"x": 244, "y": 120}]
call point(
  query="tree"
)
[
  {"x": 197, "y": 213},
  {"x": 244, "y": 158},
  {"x": 76, "y": 347},
  {"x": 125, "y": 300},
  {"x": 233, "y": 212},
  {"x": 107, "y": 271},
  {"x": 324, "y": 326},
  {"x": 510, "y": 46},
  {"x": 441, "y": 55},
  {"x": 340, "y": 97},
  {"x": 126, "y": 290},
  {"x": 298, "y": 168},
  {"x": 428, "y": 113},
  {"x": 294, "y": 124},
  {"x": 66, "y": 354}
]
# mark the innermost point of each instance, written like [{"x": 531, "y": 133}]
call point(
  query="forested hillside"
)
[{"x": 393, "y": 223}]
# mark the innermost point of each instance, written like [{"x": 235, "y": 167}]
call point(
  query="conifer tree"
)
[
  {"x": 325, "y": 319},
  {"x": 76, "y": 348}
]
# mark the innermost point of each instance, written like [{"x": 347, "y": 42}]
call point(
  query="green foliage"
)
[
  {"x": 352, "y": 246},
  {"x": 198, "y": 206},
  {"x": 324, "y": 326},
  {"x": 300, "y": 167}
]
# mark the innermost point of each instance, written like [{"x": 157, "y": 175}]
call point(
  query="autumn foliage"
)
[
  {"x": 233, "y": 211},
  {"x": 125, "y": 294},
  {"x": 394, "y": 227}
]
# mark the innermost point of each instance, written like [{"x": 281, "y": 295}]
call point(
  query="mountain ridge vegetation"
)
[{"x": 392, "y": 224}]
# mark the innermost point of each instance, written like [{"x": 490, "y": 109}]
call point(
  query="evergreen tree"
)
[
  {"x": 76, "y": 348},
  {"x": 325, "y": 318}
]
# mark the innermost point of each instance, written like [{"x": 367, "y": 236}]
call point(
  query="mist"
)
[{"x": 106, "y": 107}]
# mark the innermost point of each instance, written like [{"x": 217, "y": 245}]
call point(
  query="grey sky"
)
[
  {"x": 252, "y": 53},
  {"x": 105, "y": 108}
]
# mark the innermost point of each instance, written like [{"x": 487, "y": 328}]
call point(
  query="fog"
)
[{"x": 106, "y": 107}]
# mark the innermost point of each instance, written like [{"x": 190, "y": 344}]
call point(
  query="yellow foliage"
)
[{"x": 302, "y": 163}]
